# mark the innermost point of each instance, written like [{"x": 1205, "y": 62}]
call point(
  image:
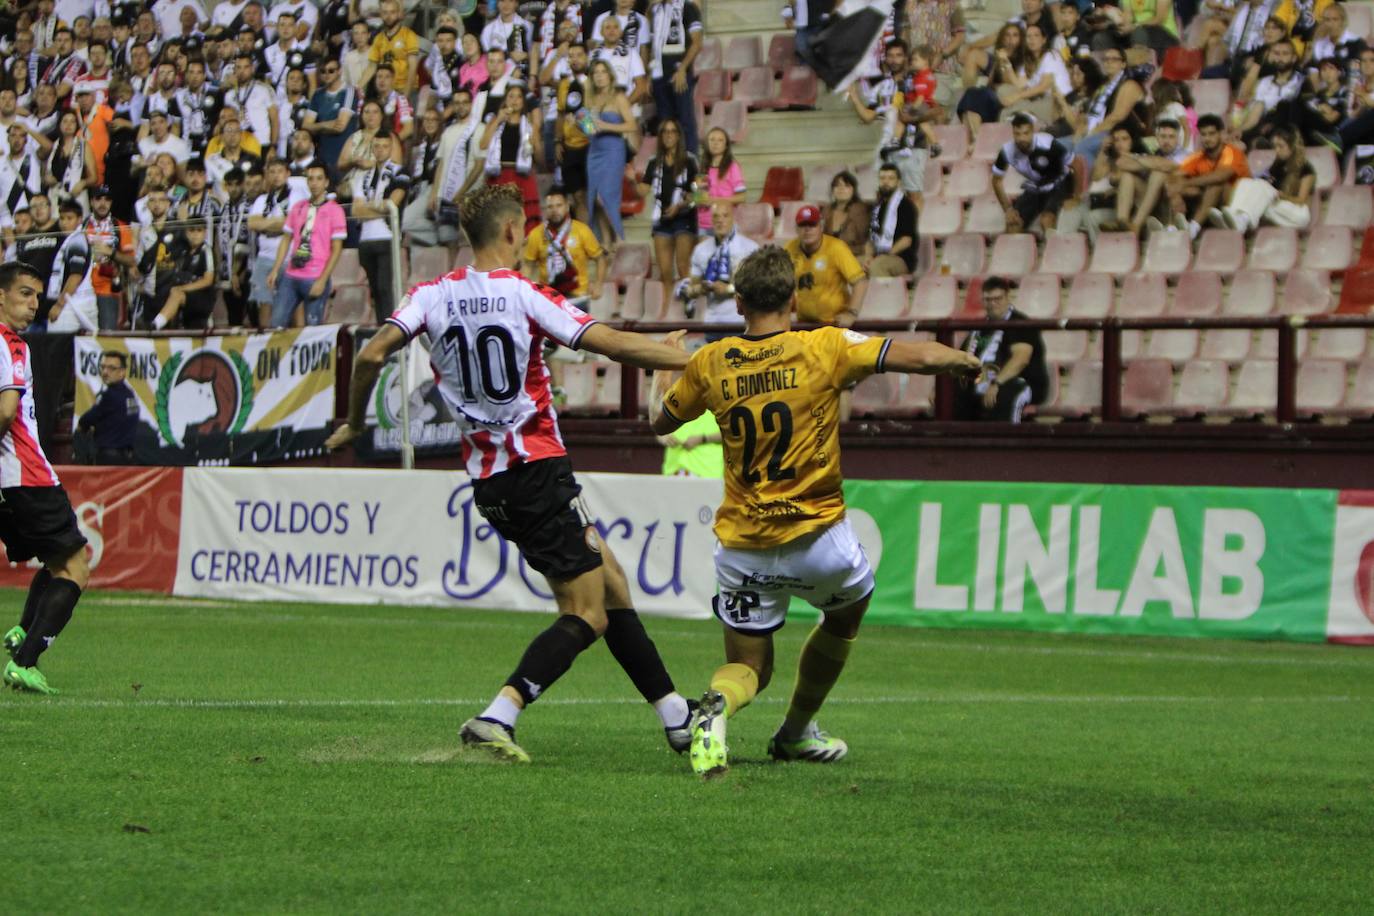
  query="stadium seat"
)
[
  {"x": 936, "y": 296},
  {"x": 348, "y": 305},
  {"x": 1081, "y": 393},
  {"x": 632, "y": 260},
  {"x": 1116, "y": 253},
  {"x": 655, "y": 300},
  {"x": 1178, "y": 346},
  {"x": 1090, "y": 296},
  {"x": 782, "y": 183},
  {"x": 349, "y": 270},
  {"x": 968, "y": 179},
  {"x": 1360, "y": 398},
  {"x": 797, "y": 90},
  {"x": 887, "y": 298},
  {"x": 1132, "y": 344},
  {"x": 867, "y": 177},
  {"x": 1323, "y": 160},
  {"x": 1266, "y": 345},
  {"x": 1227, "y": 346},
  {"x": 1168, "y": 253},
  {"x": 1275, "y": 248},
  {"x": 579, "y": 387},
  {"x": 1203, "y": 386},
  {"x": 787, "y": 218},
  {"x": 964, "y": 255},
  {"x": 608, "y": 388},
  {"x": 1350, "y": 205},
  {"x": 925, "y": 256},
  {"x": 1143, "y": 295},
  {"x": 878, "y": 395},
  {"x": 941, "y": 216},
  {"x": 1065, "y": 346},
  {"x": 1306, "y": 292},
  {"x": 1357, "y": 290},
  {"x": 1256, "y": 389},
  {"x": 712, "y": 86},
  {"x": 631, "y": 203},
  {"x": 1198, "y": 295},
  {"x": 1346, "y": 344},
  {"x": 1220, "y": 250},
  {"x": 986, "y": 215},
  {"x": 953, "y": 140},
  {"x": 742, "y": 52},
  {"x": 1037, "y": 294},
  {"x": 755, "y": 221},
  {"x": 1147, "y": 386},
  {"x": 427, "y": 263},
  {"x": 632, "y": 303},
  {"x": 818, "y": 178},
  {"x": 934, "y": 180},
  {"x": 1065, "y": 254},
  {"x": 991, "y": 138},
  {"x": 1013, "y": 255},
  {"x": 1211, "y": 96},
  {"x": 648, "y": 146},
  {"x": 1320, "y": 385},
  {"x": 710, "y": 57},
  {"x": 754, "y": 87},
  {"x": 782, "y": 51},
  {"x": 1251, "y": 294},
  {"x": 732, "y": 117},
  {"x": 1329, "y": 248},
  {"x": 606, "y": 306}
]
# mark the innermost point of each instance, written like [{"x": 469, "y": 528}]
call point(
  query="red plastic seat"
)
[
  {"x": 936, "y": 296},
  {"x": 712, "y": 86},
  {"x": 1203, "y": 386},
  {"x": 754, "y": 87},
  {"x": 1211, "y": 96},
  {"x": 1182, "y": 64},
  {"x": 1168, "y": 253},
  {"x": 992, "y": 136},
  {"x": 1090, "y": 296},
  {"x": 1198, "y": 295},
  {"x": 755, "y": 221},
  {"x": 743, "y": 51},
  {"x": 1081, "y": 392},
  {"x": 1143, "y": 295},
  {"x": 1357, "y": 291},
  {"x": 1065, "y": 254},
  {"x": 964, "y": 255},
  {"x": 782, "y": 183},
  {"x": 710, "y": 56},
  {"x": 1275, "y": 249},
  {"x": 1256, "y": 389},
  {"x": 1329, "y": 248},
  {"x": 1350, "y": 206},
  {"x": 941, "y": 216},
  {"x": 1013, "y": 255},
  {"x": 1251, "y": 295},
  {"x": 1266, "y": 344},
  {"x": 782, "y": 51},
  {"x": 953, "y": 140},
  {"x": 1116, "y": 253},
  {"x": 986, "y": 215},
  {"x": 732, "y": 117},
  {"x": 1220, "y": 250},
  {"x": 1306, "y": 292},
  {"x": 968, "y": 179},
  {"x": 1320, "y": 385},
  {"x": 797, "y": 90},
  {"x": 631, "y": 261},
  {"x": 1324, "y": 163},
  {"x": 348, "y": 305},
  {"x": 1038, "y": 294},
  {"x": 886, "y": 298},
  {"x": 1147, "y": 386}
]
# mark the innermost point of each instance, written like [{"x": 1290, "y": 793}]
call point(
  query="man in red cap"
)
[{"x": 830, "y": 281}]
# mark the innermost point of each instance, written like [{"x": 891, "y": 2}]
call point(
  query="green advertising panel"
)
[{"x": 1164, "y": 561}]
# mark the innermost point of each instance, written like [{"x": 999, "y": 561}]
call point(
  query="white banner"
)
[{"x": 415, "y": 537}]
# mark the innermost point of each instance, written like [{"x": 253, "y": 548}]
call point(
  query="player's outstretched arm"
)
[
  {"x": 930, "y": 358},
  {"x": 367, "y": 365},
  {"x": 635, "y": 349}
]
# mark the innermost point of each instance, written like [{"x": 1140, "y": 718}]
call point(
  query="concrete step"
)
[
  {"x": 742, "y": 17},
  {"x": 792, "y": 133}
]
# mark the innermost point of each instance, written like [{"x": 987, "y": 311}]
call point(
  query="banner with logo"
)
[
  {"x": 1351, "y": 618},
  {"x": 432, "y": 426},
  {"x": 131, "y": 518},
  {"x": 236, "y": 399},
  {"x": 415, "y": 537},
  {"x": 1159, "y": 561}
]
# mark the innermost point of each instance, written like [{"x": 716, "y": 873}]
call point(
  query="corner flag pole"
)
[{"x": 393, "y": 216}]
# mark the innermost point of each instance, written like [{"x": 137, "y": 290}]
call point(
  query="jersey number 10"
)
[
  {"x": 492, "y": 344},
  {"x": 777, "y": 418}
]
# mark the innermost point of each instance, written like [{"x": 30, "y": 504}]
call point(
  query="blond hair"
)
[{"x": 484, "y": 209}]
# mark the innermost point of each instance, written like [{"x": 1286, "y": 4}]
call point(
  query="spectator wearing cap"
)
[
  {"x": 831, "y": 283},
  {"x": 95, "y": 117},
  {"x": 112, "y": 248}
]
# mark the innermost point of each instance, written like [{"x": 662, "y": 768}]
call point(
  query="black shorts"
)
[
  {"x": 38, "y": 522},
  {"x": 574, "y": 170},
  {"x": 538, "y": 508},
  {"x": 1032, "y": 203}
]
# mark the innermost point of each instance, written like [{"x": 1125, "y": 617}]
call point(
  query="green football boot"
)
[
  {"x": 14, "y": 639},
  {"x": 814, "y": 745},
  {"x": 30, "y": 680},
  {"x": 494, "y": 738},
  {"x": 709, "y": 753}
]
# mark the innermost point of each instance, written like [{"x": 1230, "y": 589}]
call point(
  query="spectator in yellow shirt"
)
[
  {"x": 831, "y": 283},
  {"x": 396, "y": 45},
  {"x": 561, "y": 250}
]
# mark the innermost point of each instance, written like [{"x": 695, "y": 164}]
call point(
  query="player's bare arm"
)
[
  {"x": 930, "y": 358},
  {"x": 367, "y": 365},
  {"x": 635, "y": 349}
]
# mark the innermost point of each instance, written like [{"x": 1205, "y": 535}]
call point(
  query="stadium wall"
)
[{"x": 1252, "y": 563}]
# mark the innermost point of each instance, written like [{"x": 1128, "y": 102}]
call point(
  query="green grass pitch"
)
[{"x": 265, "y": 758}]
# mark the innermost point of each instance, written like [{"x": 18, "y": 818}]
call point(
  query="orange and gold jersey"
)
[{"x": 776, "y": 399}]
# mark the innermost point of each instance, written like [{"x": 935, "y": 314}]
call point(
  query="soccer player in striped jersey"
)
[
  {"x": 36, "y": 518},
  {"x": 781, "y": 530},
  {"x": 486, "y": 325}
]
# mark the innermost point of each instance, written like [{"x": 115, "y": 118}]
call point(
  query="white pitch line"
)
[{"x": 913, "y": 699}]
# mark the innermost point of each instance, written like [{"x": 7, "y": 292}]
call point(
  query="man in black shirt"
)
[
  {"x": 1015, "y": 374},
  {"x": 188, "y": 287},
  {"x": 113, "y": 420},
  {"x": 891, "y": 247},
  {"x": 1046, "y": 166}
]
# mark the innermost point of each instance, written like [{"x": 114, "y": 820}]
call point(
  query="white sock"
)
[
  {"x": 159, "y": 323},
  {"x": 672, "y": 710},
  {"x": 503, "y": 710}
]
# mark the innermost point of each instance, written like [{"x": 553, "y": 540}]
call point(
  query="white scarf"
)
[
  {"x": 659, "y": 173},
  {"x": 883, "y": 224},
  {"x": 1097, "y": 107},
  {"x": 456, "y": 168},
  {"x": 989, "y": 354},
  {"x": 233, "y": 231},
  {"x": 669, "y": 32},
  {"x": 524, "y": 155},
  {"x": 556, "y": 261},
  {"x": 76, "y": 165}
]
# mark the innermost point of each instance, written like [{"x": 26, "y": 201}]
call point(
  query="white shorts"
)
[{"x": 828, "y": 569}]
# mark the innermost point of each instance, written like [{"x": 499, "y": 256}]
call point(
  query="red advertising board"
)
[{"x": 131, "y": 517}]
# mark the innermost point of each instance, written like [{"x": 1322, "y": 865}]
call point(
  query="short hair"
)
[
  {"x": 118, "y": 356},
  {"x": 885, "y": 167},
  {"x": 13, "y": 270},
  {"x": 992, "y": 283},
  {"x": 1170, "y": 123},
  {"x": 387, "y": 67},
  {"x": 234, "y": 174},
  {"x": 484, "y": 210},
  {"x": 195, "y": 164},
  {"x": 927, "y": 52},
  {"x": 71, "y": 206},
  {"x": 446, "y": 30},
  {"x": 1286, "y": 41},
  {"x": 318, "y": 164},
  {"x": 766, "y": 280},
  {"x": 462, "y": 90},
  {"x": 62, "y": 29},
  {"x": 1210, "y": 120},
  {"x": 245, "y": 55},
  {"x": 1022, "y": 120},
  {"x": 896, "y": 43},
  {"x": 556, "y": 190}
]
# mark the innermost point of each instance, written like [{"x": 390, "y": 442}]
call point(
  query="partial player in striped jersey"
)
[
  {"x": 36, "y": 518},
  {"x": 486, "y": 325}
]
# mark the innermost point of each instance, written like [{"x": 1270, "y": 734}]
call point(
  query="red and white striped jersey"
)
[
  {"x": 22, "y": 462},
  {"x": 485, "y": 333}
]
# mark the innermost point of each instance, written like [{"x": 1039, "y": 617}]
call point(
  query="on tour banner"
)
[
  {"x": 237, "y": 399},
  {"x": 433, "y": 429},
  {"x": 131, "y": 518}
]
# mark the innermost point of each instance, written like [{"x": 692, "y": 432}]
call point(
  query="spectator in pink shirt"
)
[
  {"x": 313, "y": 258},
  {"x": 722, "y": 175}
]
